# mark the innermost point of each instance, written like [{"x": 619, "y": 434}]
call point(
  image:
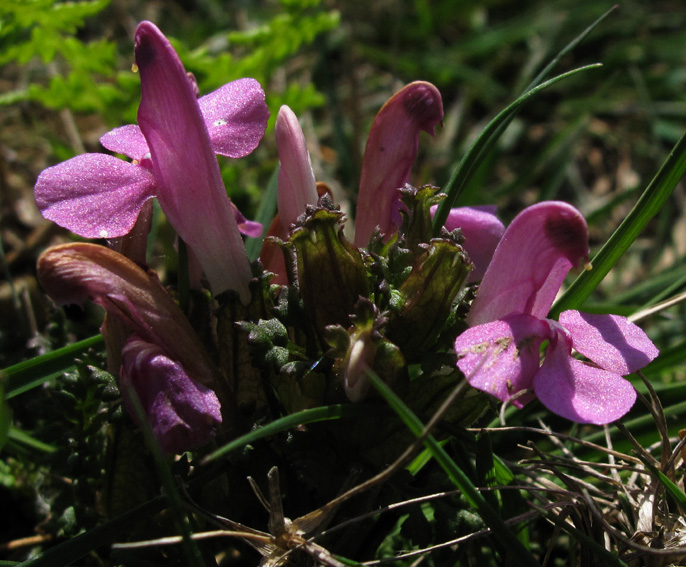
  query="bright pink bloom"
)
[
  {"x": 482, "y": 230},
  {"x": 100, "y": 196},
  {"x": 531, "y": 261},
  {"x": 390, "y": 154},
  {"x": 500, "y": 353},
  {"x": 193, "y": 195}
]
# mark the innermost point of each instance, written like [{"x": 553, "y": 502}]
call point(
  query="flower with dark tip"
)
[
  {"x": 389, "y": 156},
  {"x": 163, "y": 361},
  {"x": 500, "y": 353}
]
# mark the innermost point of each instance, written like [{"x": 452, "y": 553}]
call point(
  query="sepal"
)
[
  {"x": 418, "y": 202},
  {"x": 423, "y": 303},
  {"x": 330, "y": 271}
]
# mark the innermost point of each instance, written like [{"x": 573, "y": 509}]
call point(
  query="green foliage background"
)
[{"x": 595, "y": 140}]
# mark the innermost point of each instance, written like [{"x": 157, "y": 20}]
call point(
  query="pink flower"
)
[
  {"x": 297, "y": 188},
  {"x": 390, "y": 154},
  {"x": 163, "y": 361},
  {"x": 100, "y": 196},
  {"x": 500, "y": 353}
]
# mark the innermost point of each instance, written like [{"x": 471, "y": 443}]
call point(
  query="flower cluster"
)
[{"x": 317, "y": 312}]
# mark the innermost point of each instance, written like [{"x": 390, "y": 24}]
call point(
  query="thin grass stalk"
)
[{"x": 502, "y": 533}]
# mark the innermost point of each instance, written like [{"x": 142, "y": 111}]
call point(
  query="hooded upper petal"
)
[
  {"x": 190, "y": 187},
  {"x": 482, "y": 230},
  {"x": 578, "y": 391},
  {"x": 611, "y": 341},
  {"x": 531, "y": 261},
  {"x": 297, "y": 186},
  {"x": 183, "y": 414},
  {"x": 502, "y": 357},
  {"x": 74, "y": 272},
  {"x": 389, "y": 155},
  {"x": 236, "y": 117},
  {"x": 94, "y": 195}
]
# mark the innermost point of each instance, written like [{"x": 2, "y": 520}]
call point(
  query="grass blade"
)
[
  {"x": 500, "y": 530},
  {"x": 604, "y": 556},
  {"x": 648, "y": 205},
  {"x": 5, "y": 414},
  {"x": 568, "y": 49},
  {"x": 77, "y": 547},
  {"x": 481, "y": 147},
  {"x": 265, "y": 214},
  {"x": 674, "y": 491},
  {"x": 31, "y": 373},
  {"x": 288, "y": 422},
  {"x": 484, "y": 143},
  {"x": 23, "y": 438},
  {"x": 178, "y": 512}
]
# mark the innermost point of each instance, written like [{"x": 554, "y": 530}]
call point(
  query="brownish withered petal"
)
[{"x": 76, "y": 272}]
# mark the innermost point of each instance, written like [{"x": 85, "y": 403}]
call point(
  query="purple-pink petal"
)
[
  {"x": 581, "y": 392},
  {"x": 297, "y": 186},
  {"x": 245, "y": 226},
  {"x": 390, "y": 154},
  {"x": 611, "y": 341},
  {"x": 482, "y": 231},
  {"x": 94, "y": 195},
  {"x": 531, "y": 261},
  {"x": 183, "y": 414},
  {"x": 126, "y": 140},
  {"x": 190, "y": 188},
  {"x": 502, "y": 357},
  {"x": 236, "y": 117}
]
